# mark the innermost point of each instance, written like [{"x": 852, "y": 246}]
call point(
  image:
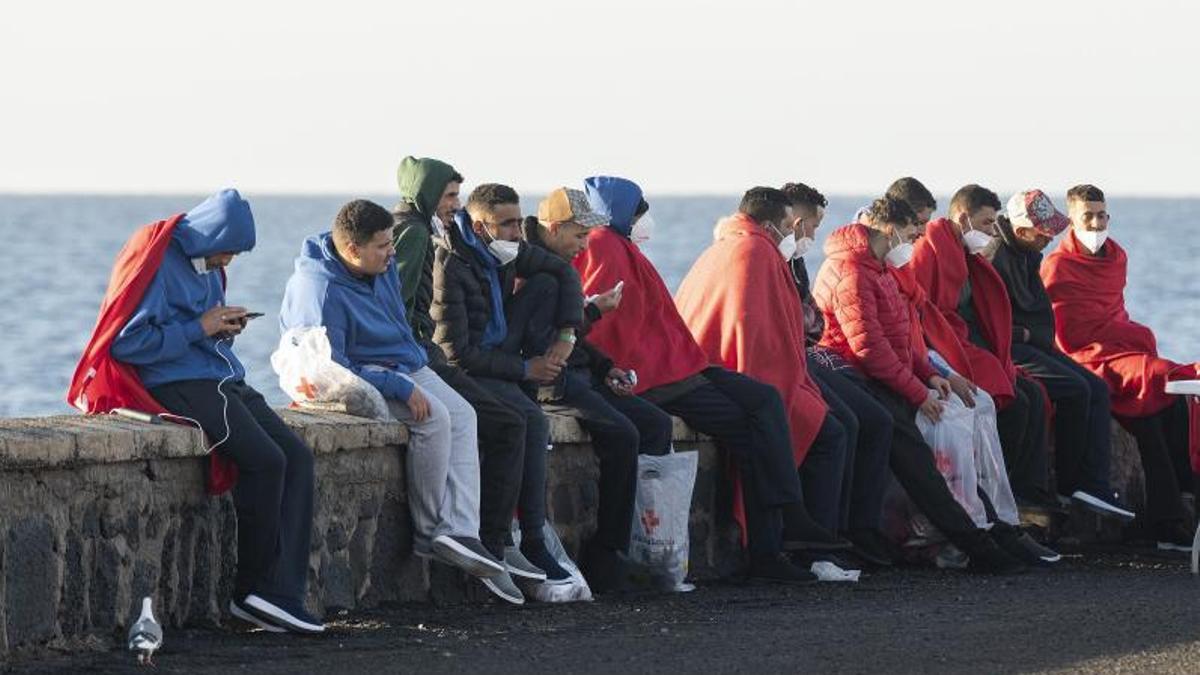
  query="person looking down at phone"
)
[
  {"x": 180, "y": 342},
  {"x": 596, "y": 392},
  {"x": 511, "y": 340}
]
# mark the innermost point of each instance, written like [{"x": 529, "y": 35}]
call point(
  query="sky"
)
[{"x": 140, "y": 96}]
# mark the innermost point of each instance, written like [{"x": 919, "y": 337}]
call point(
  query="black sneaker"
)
[
  {"x": 1021, "y": 546},
  {"x": 467, "y": 554},
  {"x": 604, "y": 570},
  {"x": 1174, "y": 536},
  {"x": 1106, "y": 503},
  {"x": 502, "y": 586},
  {"x": 535, "y": 552},
  {"x": 871, "y": 547},
  {"x": 779, "y": 570},
  {"x": 802, "y": 533},
  {"x": 238, "y": 609},
  {"x": 287, "y": 614},
  {"x": 986, "y": 557}
]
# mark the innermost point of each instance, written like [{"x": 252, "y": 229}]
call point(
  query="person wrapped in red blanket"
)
[
  {"x": 162, "y": 345},
  {"x": 972, "y": 299},
  {"x": 1085, "y": 278},
  {"x": 740, "y": 304},
  {"x": 647, "y": 335}
]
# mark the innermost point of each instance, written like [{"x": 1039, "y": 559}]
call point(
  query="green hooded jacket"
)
[{"x": 422, "y": 182}]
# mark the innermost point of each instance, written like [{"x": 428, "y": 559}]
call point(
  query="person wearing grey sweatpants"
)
[{"x": 345, "y": 283}]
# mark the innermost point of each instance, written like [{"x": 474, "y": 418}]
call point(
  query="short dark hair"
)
[
  {"x": 359, "y": 220},
  {"x": 800, "y": 194},
  {"x": 1085, "y": 192},
  {"x": 913, "y": 192},
  {"x": 971, "y": 198},
  {"x": 764, "y": 204},
  {"x": 891, "y": 210},
  {"x": 488, "y": 196}
]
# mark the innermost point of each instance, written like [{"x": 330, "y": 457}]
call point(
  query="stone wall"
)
[{"x": 97, "y": 512}]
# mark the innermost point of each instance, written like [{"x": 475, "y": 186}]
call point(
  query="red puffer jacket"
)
[{"x": 866, "y": 319}]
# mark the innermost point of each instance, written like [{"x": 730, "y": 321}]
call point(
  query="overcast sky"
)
[{"x": 684, "y": 97}]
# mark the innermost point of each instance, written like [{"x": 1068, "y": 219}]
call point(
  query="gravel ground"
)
[{"x": 1113, "y": 611}]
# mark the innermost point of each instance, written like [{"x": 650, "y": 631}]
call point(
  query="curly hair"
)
[
  {"x": 800, "y": 194},
  {"x": 359, "y": 220},
  {"x": 892, "y": 211}
]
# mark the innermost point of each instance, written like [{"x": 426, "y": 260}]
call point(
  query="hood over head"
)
[
  {"x": 615, "y": 198},
  {"x": 222, "y": 223},
  {"x": 422, "y": 182}
]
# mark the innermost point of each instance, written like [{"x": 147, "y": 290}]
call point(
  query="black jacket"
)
[
  {"x": 413, "y": 237},
  {"x": 1020, "y": 270},
  {"x": 462, "y": 302},
  {"x": 585, "y": 354}
]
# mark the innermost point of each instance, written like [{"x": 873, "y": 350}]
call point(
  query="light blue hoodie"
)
[
  {"x": 363, "y": 317},
  {"x": 164, "y": 339}
]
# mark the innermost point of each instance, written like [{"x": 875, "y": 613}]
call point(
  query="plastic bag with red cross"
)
[
  {"x": 952, "y": 440},
  {"x": 658, "y": 549},
  {"x": 309, "y": 375}
]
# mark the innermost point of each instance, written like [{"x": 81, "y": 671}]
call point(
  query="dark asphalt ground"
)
[{"x": 1113, "y": 612}]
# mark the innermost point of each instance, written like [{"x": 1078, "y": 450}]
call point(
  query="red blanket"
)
[
  {"x": 740, "y": 302},
  {"x": 102, "y": 383},
  {"x": 941, "y": 267},
  {"x": 645, "y": 333}
]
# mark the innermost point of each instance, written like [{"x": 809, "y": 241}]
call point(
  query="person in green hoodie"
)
[{"x": 428, "y": 198}]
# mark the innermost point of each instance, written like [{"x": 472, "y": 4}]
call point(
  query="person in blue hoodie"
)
[
  {"x": 345, "y": 280},
  {"x": 180, "y": 342}
]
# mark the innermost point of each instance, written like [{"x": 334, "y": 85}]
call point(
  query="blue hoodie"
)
[
  {"x": 363, "y": 317},
  {"x": 164, "y": 339},
  {"x": 497, "y": 326},
  {"x": 616, "y": 198}
]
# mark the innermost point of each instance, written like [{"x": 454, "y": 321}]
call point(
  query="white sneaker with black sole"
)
[
  {"x": 518, "y": 565},
  {"x": 293, "y": 620},
  {"x": 242, "y": 615},
  {"x": 467, "y": 554},
  {"x": 1105, "y": 507},
  {"x": 502, "y": 586}
]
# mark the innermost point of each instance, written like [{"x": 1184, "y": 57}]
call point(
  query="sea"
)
[{"x": 58, "y": 252}]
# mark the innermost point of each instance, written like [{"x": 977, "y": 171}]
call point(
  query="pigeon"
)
[{"x": 145, "y": 635}]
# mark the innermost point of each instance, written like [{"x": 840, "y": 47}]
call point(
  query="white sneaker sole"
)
[
  {"x": 500, "y": 593},
  {"x": 1102, "y": 507},
  {"x": 525, "y": 573},
  {"x": 1175, "y": 548},
  {"x": 242, "y": 615},
  {"x": 284, "y": 619},
  {"x": 454, "y": 553}
]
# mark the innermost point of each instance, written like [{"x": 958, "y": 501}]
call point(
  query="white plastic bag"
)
[
  {"x": 989, "y": 461},
  {"x": 659, "y": 545},
  {"x": 576, "y": 589},
  {"x": 952, "y": 440},
  {"x": 310, "y": 376}
]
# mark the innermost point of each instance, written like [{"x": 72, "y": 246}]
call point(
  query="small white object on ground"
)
[{"x": 827, "y": 571}]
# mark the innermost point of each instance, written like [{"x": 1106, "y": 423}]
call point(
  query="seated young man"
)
[
  {"x": 971, "y": 297},
  {"x": 180, "y": 342},
  {"x": 868, "y": 424},
  {"x": 346, "y": 281},
  {"x": 1082, "y": 423},
  {"x": 594, "y": 390},
  {"x": 494, "y": 333},
  {"x": 1085, "y": 279},
  {"x": 746, "y": 417},
  {"x": 867, "y": 323},
  {"x": 428, "y": 200},
  {"x": 740, "y": 304}
]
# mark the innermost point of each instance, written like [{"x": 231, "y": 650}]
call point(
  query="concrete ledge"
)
[{"x": 96, "y": 512}]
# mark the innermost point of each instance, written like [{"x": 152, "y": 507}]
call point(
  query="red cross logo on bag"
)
[
  {"x": 306, "y": 388},
  {"x": 650, "y": 521}
]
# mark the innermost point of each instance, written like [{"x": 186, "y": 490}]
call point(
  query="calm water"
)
[{"x": 59, "y": 249}]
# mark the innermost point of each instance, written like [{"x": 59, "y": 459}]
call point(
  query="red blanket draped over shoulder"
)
[
  {"x": 740, "y": 302},
  {"x": 102, "y": 383},
  {"x": 941, "y": 267},
  {"x": 645, "y": 333}
]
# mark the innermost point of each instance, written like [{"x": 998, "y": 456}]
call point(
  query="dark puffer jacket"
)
[
  {"x": 462, "y": 302},
  {"x": 413, "y": 232},
  {"x": 866, "y": 319}
]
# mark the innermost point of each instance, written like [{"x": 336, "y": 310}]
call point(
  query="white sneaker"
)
[
  {"x": 242, "y": 615},
  {"x": 1105, "y": 507}
]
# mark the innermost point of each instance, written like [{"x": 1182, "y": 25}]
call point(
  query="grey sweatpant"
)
[{"x": 442, "y": 465}]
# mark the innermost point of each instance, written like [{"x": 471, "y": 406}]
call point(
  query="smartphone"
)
[{"x": 252, "y": 315}]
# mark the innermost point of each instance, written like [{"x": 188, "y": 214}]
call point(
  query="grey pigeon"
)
[{"x": 145, "y": 635}]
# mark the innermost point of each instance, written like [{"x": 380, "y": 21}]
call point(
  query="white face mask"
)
[
  {"x": 505, "y": 251},
  {"x": 975, "y": 240},
  {"x": 200, "y": 266},
  {"x": 787, "y": 244},
  {"x": 803, "y": 245},
  {"x": 900, "y": 255},
  {"x": 1092, "y": 239},
  {"x": 642, "y": 230},
  {"x": 439, "y": 228}
]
